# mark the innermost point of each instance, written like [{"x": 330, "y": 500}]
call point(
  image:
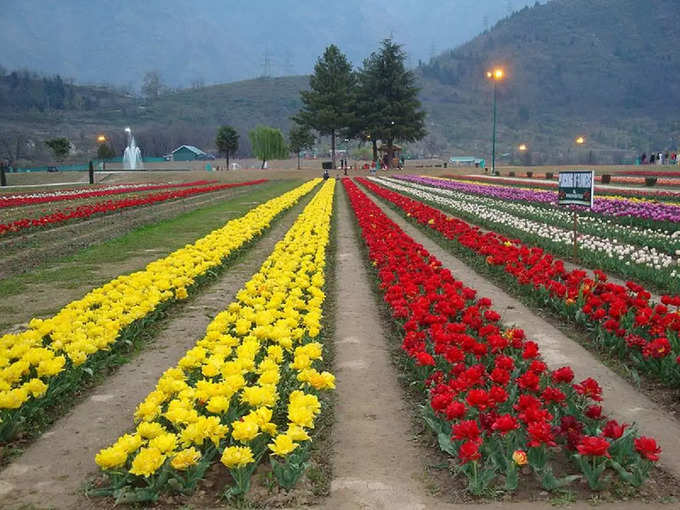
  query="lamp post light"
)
[
  {"x": 580, "y": 142},
  {"x": 101, "y": 140},
  {"x": 496, "y": 75}
]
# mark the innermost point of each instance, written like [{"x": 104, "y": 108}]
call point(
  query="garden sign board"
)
[{"x": 576, "y": 188}]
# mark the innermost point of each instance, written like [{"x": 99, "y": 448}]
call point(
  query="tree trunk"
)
[
  {"x": 375, "y": 149},
  {"x": 390, "y": 153},
  {"x": 227, "y": 160},
  {"x": 298, "y": 161},
  {"x": 333, "y": 147},
  {"x": 263, "y": 162}
]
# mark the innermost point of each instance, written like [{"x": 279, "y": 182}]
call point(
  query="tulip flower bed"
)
[
  {"x": 640, "y": 261},
  {"x": 636, "y": 212},
  {"x": 32, "y": 198},
  {"x": 491, "y": 401},
  {"x": 99, "y": 208},
  {"x": 249, "y": 389},
  {"x": 664, "y": 241},
  {"x": 49, "y": 360},
  {"x": 623, "y": 192},
  {"x": 622, "y": 320},
  {"x": 667, "y": 241}
]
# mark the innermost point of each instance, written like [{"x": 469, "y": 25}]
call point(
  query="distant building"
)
[
  {"x": 467, "y": 161},
  {"x": 189, "y": 153}
]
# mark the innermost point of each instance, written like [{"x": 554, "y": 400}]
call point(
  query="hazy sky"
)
[{"x": 225, "y": 40}]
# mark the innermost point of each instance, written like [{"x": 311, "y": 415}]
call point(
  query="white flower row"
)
[{"x": 611, "y": 248}]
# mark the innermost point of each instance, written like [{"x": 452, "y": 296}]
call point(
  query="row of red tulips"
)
[
  {"x": 624, "y": 320},
  {"x": 653, "y": 173},
  {"x": 85, "y": 211},
  {"x": 16, "y": 200},
  {"x": 492, "y": 402}
]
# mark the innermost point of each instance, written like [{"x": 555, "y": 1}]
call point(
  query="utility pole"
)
[
  {"x": 3, "y": 177},
  {"x": 267, "y": 64}
]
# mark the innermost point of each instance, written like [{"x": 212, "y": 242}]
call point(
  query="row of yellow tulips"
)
[
  {"x": 249, "y": 387},
  {"x": 39, "y": 362}
]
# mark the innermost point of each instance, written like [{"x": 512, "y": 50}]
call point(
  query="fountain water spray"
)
[{"x": 132, "y": 156}]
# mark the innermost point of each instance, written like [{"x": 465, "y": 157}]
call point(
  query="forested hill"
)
[
  {"x": 24, "y": 91},
  {"x": 569, "y": 62}
]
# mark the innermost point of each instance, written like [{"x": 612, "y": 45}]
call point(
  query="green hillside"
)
[{"x": 603, "y": 68}]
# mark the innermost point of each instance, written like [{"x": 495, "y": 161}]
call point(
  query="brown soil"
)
[
  {"x": 376, "y": 463},
  {"x": 54, "y": 468}
]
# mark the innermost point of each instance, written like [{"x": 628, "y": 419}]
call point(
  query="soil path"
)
[
  {"x": 375, "y": 463},
  {"x": 54, "y": 468},
  {"x": 621, "y": 400}
]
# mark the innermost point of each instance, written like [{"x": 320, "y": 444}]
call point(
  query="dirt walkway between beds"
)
[
  {"x": 621, "y": 400},
  {"x": 51, "y": 472},
  {"x": 375, "y": 462}
]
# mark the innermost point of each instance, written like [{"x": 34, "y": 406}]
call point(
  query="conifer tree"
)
[
  {"x": 328, "y": 106},
  {"x": 388, "y": 99}
]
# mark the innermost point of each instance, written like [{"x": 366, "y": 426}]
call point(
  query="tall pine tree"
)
[
  {"x": 328, "y": 106},
  {"x": 366, "y": 122},
  {"x": 391, "y": 90}
]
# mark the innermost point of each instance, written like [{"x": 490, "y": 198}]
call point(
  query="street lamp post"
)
[
  {"x": 580, "y": 141},
  {"x": 101, "y": 139},
  {"x": 496, "y": 75},
  {"x": 346, "y": 165}
]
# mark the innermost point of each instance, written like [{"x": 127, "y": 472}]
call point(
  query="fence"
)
[{"x": 78, "y": 168}]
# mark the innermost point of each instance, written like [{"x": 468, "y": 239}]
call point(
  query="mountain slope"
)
[{"x": 610, "y": 67}]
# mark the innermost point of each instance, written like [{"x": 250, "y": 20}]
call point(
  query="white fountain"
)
[{"x": 132, "y": 156}]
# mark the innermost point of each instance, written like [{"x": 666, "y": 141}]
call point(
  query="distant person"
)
[
  {"x": 652, "y": 159},
  {"x": 325, "y": 174},
  {"x": 643, "y": 158}
]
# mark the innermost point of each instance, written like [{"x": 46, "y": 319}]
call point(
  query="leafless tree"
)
[{"x": 12, "y": 146}]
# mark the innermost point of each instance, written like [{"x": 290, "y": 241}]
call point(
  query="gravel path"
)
[
  {"x": 375, "y": 463},
  {"x": 55, "y": 467}
]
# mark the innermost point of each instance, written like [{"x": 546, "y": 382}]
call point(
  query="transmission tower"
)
[
  {"x": 509, "y": 7},
  {"x": 288, "y": 69},
  {"x": 267, "y": 64}
]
